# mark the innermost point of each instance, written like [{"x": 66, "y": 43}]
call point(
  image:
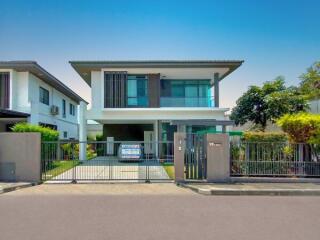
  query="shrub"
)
[
  {"x": 99, "y": 137},
  {"x": 91, "y": 137},
  {"x": 71, "y": 151},
  {"x": 100, "y": 147},
  {"x": 264, "y": 137},
  {"x": 47, "y": 134},
  {"x": 301, "y": 127}
]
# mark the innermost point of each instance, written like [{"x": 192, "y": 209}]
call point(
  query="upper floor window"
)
[
  {"x": 44, "y": 95},
  {"x": 72, "y": 109},
  {"x": 63, "y": 108},
  {"x": 137, "y": 91},
  {"x": 185, "y": 93},
  {"x": 4, "y": 90}
]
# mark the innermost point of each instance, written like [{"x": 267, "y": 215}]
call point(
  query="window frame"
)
[
  {"x": 185, "y": 82},
  {"x": 72, "y": 109},
  {"x": 138, "y": 78},
  {"x": 64, "y": 108},
  {"x": 42, "y": 98}
]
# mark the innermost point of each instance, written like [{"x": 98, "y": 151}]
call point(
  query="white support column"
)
[
  {"x": 156, "y": 136},
  {"x": 82, "y": 131}
]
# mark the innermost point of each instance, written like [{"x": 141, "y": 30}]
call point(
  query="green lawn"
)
[
  {"x": 57, "y": 167},
  {"x": 169, "y": 167}
]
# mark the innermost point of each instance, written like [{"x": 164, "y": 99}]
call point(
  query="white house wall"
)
[
  {"x": 96, "y": 91},
  {"x": 21, "y": 92},
  {"x": 314, "y": 106},
  {"x": 41, "y": 112}
]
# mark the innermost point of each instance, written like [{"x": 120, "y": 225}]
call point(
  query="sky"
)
[{"x": 273, "y": 37}]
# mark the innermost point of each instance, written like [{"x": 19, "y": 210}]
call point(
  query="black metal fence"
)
[
  {"x": 274, "y": 159},
  {"x": 151, "y": 161},
  {"x": 106, "y": 160},
  {"x": 195, "y": 157}
]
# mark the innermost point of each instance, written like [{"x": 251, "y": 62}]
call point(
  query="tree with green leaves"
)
[
  {"x": 310, "y": 82},
  {"x": 267, "y": 103}
]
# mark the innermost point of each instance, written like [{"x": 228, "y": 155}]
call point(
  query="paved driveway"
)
[
  {"x": 104, "y": 168},
  {"x": 160, "y": 211}
]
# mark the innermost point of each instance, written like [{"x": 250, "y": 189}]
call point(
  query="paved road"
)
[{"x": 154, "y": 211}]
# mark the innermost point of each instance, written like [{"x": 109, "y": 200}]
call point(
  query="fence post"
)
[
  {"x": 179, "y": 153},
  {"x": 74, "y": 170},
  {"x": 58, "y": 157},
  {"x": 301, "y": 155}
]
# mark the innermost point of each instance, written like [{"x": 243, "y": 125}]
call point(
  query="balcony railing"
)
[
  {"x": 186, "y": 102},
  {"x": 143, "y": 102}
]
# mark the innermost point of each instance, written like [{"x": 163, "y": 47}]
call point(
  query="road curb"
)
[
  {"x": 13, "y": 188},
  {"x": 253, "y": 192}
]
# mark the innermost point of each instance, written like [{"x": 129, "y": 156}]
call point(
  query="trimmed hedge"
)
[
  {"x": 301, "y": 127},
  {"x": 47, "y": 134},
  {"x": 264, "y": 137}
]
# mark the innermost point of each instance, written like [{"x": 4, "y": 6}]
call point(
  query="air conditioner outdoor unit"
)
[{"x": 54, "y": 110}]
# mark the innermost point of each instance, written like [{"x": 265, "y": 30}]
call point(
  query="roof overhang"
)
[
  {"x": 34, "y": 68},
  {"x": 4, "y": 113},
  {"x": 84, "y": 68}
]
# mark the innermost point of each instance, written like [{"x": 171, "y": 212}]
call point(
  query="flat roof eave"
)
[{"x": 84, "y": 68}]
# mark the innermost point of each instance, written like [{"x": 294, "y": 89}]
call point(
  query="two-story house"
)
[
  {"x": 150, "y": 100},
  {"x": 28, "y": 93}
]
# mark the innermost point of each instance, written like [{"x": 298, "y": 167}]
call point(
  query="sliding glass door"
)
[{"x": 185, "y": 93}]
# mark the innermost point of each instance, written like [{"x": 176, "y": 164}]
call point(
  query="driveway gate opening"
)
[{"x": 107, "y": 160}]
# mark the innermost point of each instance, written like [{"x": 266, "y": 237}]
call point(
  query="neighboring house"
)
[
  {"x": 314, "y": 106},
  {"x": 28, "y": 93},
  {"x": 150, "y": 100}
]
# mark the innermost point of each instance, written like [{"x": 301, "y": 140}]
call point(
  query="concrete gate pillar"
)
[
  {"x": 218, "y": 157},
  {"x": 82, "y": 131},
  {"x": 179, "y": 151}
]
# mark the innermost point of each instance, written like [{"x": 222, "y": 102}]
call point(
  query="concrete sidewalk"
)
[
  {"x": 267, "y": 189},
  {"x": 105, "y": 189},
  {"x": 11, "y": 186}
]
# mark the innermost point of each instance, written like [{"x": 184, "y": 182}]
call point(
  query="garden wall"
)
[{"x": 20, "y": 157}]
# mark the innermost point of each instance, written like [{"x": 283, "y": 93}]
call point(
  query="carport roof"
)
[{"x": 203, "y": 122}]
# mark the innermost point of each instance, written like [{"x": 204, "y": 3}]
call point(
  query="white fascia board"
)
[
  {"x": 157, "y": 114},
  {"x": 166, "y": 109}
]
